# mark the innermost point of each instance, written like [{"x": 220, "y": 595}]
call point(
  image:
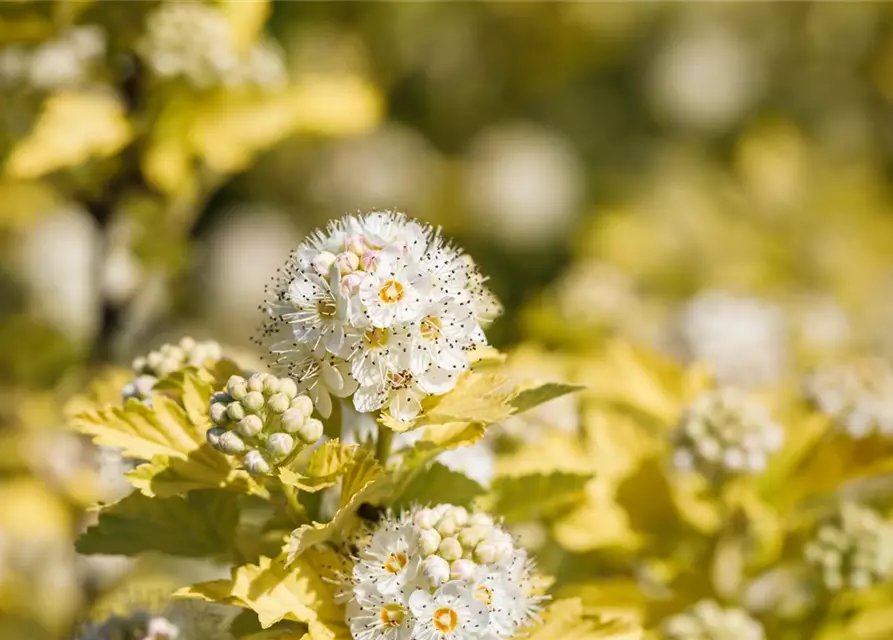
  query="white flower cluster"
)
[
  {"x": 262, "y": 420},
  {"x": 60, "y": 63},
  {"x": 194, "y": 41},
  {"x": 441, "y": 574},
  {"x": 725, "y": 433},
  {"x": 377, "y": 307},
  {"x": 708, "y": 620},
  {"x": 859, "y": 397},
  {"x": 168, "y": 359},
  {"x": 745, "y": 340},
  {"x": 853, "y": 551}
]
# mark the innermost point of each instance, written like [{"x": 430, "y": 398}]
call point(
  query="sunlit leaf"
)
[
  {"x": 201, "y": 524},
  {"x": 327, "y": 464},
  {"x": 438, "y": 484},
  {"x": 529, "y": 398},
  {"x": 530, "y": 497},
  {"x": 72, "y": 128},
  {"x": 565, "y": 620}
]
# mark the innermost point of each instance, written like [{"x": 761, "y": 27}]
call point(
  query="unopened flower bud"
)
[
  {"x": 350, "y": 283},
  {"x": 323, "y": 262},
  {"x": 278, "y": 403},
  {"x": 271, "y": 385},
  {"x": 144, "y": 385},
  {"x": 348, "y": 262},
  {"x": 280, "y": 445},
  {"x": 429, "y": 541},
  {"x": 480, "y": 520},
  {"x": 292, "y": 421},
  {"x": 450, "y": 549},
  {"x": 485, "y": 553},
  {"x": 230, "y": 443},
  {"x": 213, "y": 436},
  {"x": 288, "y": 388},
  {"x": 447, "y": 526},
  {"x": 256, "y": 381},
  {"x": 470, "y": 537},
  {"x": 250, "y": 426},
  {"x": 310, "y": 431},
  {"x": 459, "y": 515},
  {"x": 253, "y": 401},
  {"x": 218, "y": 413},
  {"x": 436, "y": 570},
  {"x": 303, "y": 404},
  {"x": 355, "y": 244},
  {"x": 462, "y": 570},
  {"x": 368, "y": 260},
  {"x": 255, "y": 463},
  {"x": 235, "y": 412},
  {"x": 425, "y": 519}
]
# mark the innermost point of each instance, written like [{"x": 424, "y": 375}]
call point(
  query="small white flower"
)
[
  {"x": 395, "y": 292},
  {"x": 376, "y": 617},
  {"x": 451, "y": 613},
  {"x": 390, "y": 561},
  {"x": 316, "y": 312},
  {"x": 439, "y": 336}
]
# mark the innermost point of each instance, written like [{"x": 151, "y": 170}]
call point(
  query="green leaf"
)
[
  {"x": 538, "y": 495},
  {"x": 439, "y": 484},
  {"x": 299, "y": 593},
  {"x": 327, "y": 464},
  {"x": 364, "y": 482},
  {"x": 529, "y": 398},
  {"x": 477, "y": 397},
  {"x": 201, "y": 524},
  {"x": 171, "y": 438}
]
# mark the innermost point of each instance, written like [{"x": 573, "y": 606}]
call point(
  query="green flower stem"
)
[{"x": 383, "y": 444}]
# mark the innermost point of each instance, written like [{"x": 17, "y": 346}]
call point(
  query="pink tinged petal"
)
[{"x": 369, "y": 398}]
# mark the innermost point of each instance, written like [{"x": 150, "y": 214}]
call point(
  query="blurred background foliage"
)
[{"x": 710, "y": 179}]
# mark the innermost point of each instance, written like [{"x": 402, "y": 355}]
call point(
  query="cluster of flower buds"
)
[
  {"x": 379, "y": 308},
  {"x": 852, "y": 551},
  {"x": 195, "y": 41},
  {"x": 859, "y": 397},
  {"x": 63, "y": 62},
  {"x": 262, "y": 420},
  {"x": 441, "y": 572},
  {"x": 168, "y": 359},
  {"x": 726, "y": 433},
  {"x": 708, "y": 620}
]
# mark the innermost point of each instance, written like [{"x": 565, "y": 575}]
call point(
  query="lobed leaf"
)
[
  {"x": 519, "y": 498},
  {"x": 201, "y": 524},
  {"x": 439, "y": 484},
  {"x": 327, "y": 465}
]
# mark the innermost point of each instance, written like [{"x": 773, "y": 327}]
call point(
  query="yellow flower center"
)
[
  {"x": 445, "y": 620},
  {"x": 430, "y": 328},
  {"x": 376, "y": 337},
  {"x": 392, "y": 615},
  {"x": 326, "y": 308},
  {"x": 395, "y": 563},
  {"x": 391, "y": 291},
  {"x": 484, "y": 595}
]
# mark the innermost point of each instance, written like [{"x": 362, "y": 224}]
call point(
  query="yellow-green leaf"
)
[
  {"x": 535, "y": 496},
  {"x": 529, "y": 398},
  {"x": 72, "y": 128},
  {"x": 327, "y": 464},
  {"x": 438, "y": 484},
  {"x": 201, "y": 524},
  {"x": 365, "y": 481},
  {"x": 477, "y": 397}
]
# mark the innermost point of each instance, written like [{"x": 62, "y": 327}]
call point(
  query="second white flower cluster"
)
[
  {"x": 441, "y": 573},
  {"x": 380, "y": 308}
]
